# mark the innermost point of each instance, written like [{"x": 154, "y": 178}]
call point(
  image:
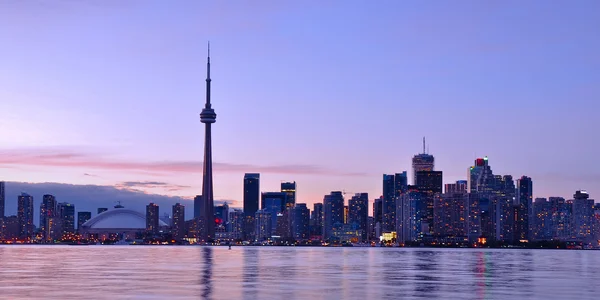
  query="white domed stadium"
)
[{"x": 118, "y": 221}]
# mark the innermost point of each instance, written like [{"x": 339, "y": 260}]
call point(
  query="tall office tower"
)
[
  {"x": 378, "y": 209},
  {"x": 101, "y": 210},
  {"x": 429, "y": 181},
  {"x": 283, "y": 224},
  {"x": 409, "y": 212},
  {"x": 523, "y": 202},
  {"x": 222, "y": 214},
  {"x": 371, "y": 227},
  {"x": 263, "y": 228},
  {"x": 317, "y": 219},
  {"x": 480, "y": 177},
  {"x": 208, "y": 117},
  {"x": 333, "y": 213},
  {"x": 178, "y": 214},
  {"x": 251, "y": 201},
  {"x": 459, "y": 187},
  {"x": 282, "y": 198},
  {"x": 236, "y": 224},
  {"x": 10, "y": 228},
  {"x": 82, "y": 217},
  {"x": 290, "y": 189},
  {"x": 25, "y": 216},
  {"x": 197, "y": 206},
  {"x": 66, "y": 213},
  {"x": 2, "y": 199},
  {"x": 400, "y": 183},
  {"x": 300, "y": 222},
  {"x": 451, "y": 214},
  {"x": 358, "y": 213},
  {"x": 152, "y": 214},
  {"x": 583, "y": 216},
  {"x": 47, "y": 211},
  {"x": 561, "y": 218},
  {"x": 273, "y": 205},
  {"x": 388, "y": 211},
  {"x": 541, "y": 220},
  {"x": 422, "y": 162}
]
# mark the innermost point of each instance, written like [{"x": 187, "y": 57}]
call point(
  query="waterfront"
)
[{"x": 192, "y": 272}]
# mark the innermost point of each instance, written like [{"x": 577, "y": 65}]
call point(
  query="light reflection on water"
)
[{"x": 181, "y": 272}]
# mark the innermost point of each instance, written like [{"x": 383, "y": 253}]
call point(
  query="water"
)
[{"x": 189, "y": 272}]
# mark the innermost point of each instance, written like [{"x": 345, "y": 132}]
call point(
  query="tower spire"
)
[
  {"x": 424, "y": 146},
  {"x": 208, "y": 78}
]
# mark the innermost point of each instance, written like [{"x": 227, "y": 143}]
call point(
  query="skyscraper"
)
[
  {"x": 422, "y": 162},
  {"x": 222, "y": 214},
  {"x": 430, "y": 181},
  {"x": 251, "y": 193},
  {"x": 66, "y": 213},
  {"x": 47, "y": 211},
  {"x": 393, "y": 186},
  {"x": 197, "y": 206},
  {"x": 317, "y": 219},
  {"x": 208, "y": 116},
  {"x": 300, "y": 221},
  {"x": 290, "y": 189},
  {"x": 266, "y": 196},
  {"x": 25, "y": 216},
  {"x": 583, "y": 216},
  {"x": 333, "y": 213},
  {"x": 2, "y": 199},
  {"x": 524, "y": 200},
  {"x": 358, "y": 212},
  {"x": 82, "y": 217},
  {"x": 152, "y": 218},
  {"x": 178, "y": 221}
]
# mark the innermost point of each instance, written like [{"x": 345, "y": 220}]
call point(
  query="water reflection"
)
[
  {"x": 250, "y": 273},
  {"x": 426, "y": 280},
  {"x": 206, "y": 279}
]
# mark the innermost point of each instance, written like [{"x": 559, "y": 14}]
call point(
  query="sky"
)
[{"x": 330, "y": 94}]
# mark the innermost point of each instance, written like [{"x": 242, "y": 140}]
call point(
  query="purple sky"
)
[{"x": 329, "y": 94}]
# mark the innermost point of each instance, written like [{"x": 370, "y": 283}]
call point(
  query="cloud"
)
[
  {"x": 60, "y": 158},
  {"x": 91, "y": 197},
  {"x": 134, "y": 185}
]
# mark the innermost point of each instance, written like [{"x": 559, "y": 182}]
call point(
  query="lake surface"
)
[{"x": 191, "y": 272}]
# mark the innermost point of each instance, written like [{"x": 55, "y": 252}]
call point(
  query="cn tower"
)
[{"x": 208, "y": 116}]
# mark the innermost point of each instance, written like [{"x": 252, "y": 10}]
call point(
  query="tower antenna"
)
[{"x": 424, "y": 145}]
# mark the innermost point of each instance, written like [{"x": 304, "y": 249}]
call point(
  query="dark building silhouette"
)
[
  {"x": 25, "y": 216},
  {"x": 222, "y": 214},
  {"x": 300, "y": 221},
  {"x": 47, "y": 212},
  {"x": 393, "y": 186},
  {"x": 422, "y": 162},
  {"x": 316, "y": 219},
  {"x": 282, "y": 197},
  {"x": 523, "y": 202},
  {"x": 179, "y": 227},
  {"x": 289, "y": 188},
  {"x": 82, "y": 217},
  {"x": 208, "y": 117},
  {"x": 333, "y": 213},
  {"x": 251, "y": 201},
  {"x": 152, "y": 217},
  {"x": 66, "y": 214},
  {"x": 459, "y": 187},
  {"x": 430, "y": 181},
  {"x": 2, "y": 199},
  {"x": 197, "y": 206},
  {"x": 358, "y": 213},
  {"x": 377, "y": 210}
]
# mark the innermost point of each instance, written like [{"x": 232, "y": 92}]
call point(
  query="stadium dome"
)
[{"x": 118, "y": 218}]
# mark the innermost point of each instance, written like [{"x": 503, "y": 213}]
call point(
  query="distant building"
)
[
  {"x": 459, "y": 187},
  {"x": 2, "y": 199},
  {"x": 393, "y": 187},
  {"x": 198, "y": 203},
  {"x": 66, "y": 213},
  {"x": 47, "y": 212},
  {"x": 583, "y": 216},
  {"x": 316, "y": 219},
  {"x": 451, "y": 215},
  {"x": 152, "y": 218},
  {"x": 82, "y": 217},
  {"x": 9, "y": 228},
  {"x": 289, "y": 188},
  {"x": 333, "y": 213},
  {"x": 300, "y": 222},
  {"x": 222, "y": 215},
  {"x": 236, "y": 224},
  {"x": 430, "y": 181},
  {"x": 25, "y": 216},
  {"x": 178, "y": 227},
  {"x": 264, "y": 228},
  {"x": 273, "y": 205},
  {"x": 377, "y": 209},
  {"x": 541, "y": 220},
  {"x": 283, "y": 225},
  {"x": 251, "y": 201},
  {"x": 279, "y": 196},
  {"x": 358, "y": 212},
  {"x": 346, "y": 233},
  {"x": 422, "y": 162},
  {"x": 523, "y": 203}
]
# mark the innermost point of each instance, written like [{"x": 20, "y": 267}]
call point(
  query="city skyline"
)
[{"x": 104, "y": 133}]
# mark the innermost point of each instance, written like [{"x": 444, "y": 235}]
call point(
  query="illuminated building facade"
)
[
  {"x": 583, "y": 216},
  {"x": 264, "y": 227},
  {"x": 289, "y": 188},
  {"x": 25, "y": 216},
  {"x": 82, "y": 217},
  {"x": 358, "y": 212},
  {"x": 66, "y": 214},
  {"x": 300, "y": 222},
  {"x": 47, "y": 212},
  {"x": 152, "y": 218},
  {"x": 178, "y": 227},
  {"x": 422, "y": 162},
  {"x": 333, "y": 213},
  {"x": 523, "y": 202}
]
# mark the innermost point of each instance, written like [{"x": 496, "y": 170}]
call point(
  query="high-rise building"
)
[
  {"x": 333, "y": 213},
  {"x": 583, "y": 216},
  {"x": 422, "y": 162},
  {"x": 25, "y": 216},
  {"x": 178, "y": 214},
  {"x": 300, "y": 222},
  {"x": 82, "y": 217},
  {"x": 388, "y": 212},
  {"x": 222, "y": 215},
  {"x": 317, "y": 220},
  {"x": 66, "y": 213},
  {"x": 459, "y": 187},
  {"x": 429, "y": 181},
  {"x": 273, "y": 205},
  {"x": 378, "y": 209},
  {"x": 2, "y": 199},
  {"x": 236, "y": 224},
  {"x": 9, "y": 229},
  {"x": 283, "y": 228},
  {"x": 152, "y": 216},
  {"x": 47, "y": 211},
  {"x": 561, "y": 212},
  {"x": 451, "y": 212},
  {"x": 541, "y": 220},
  {"x": 263, "y": 227},
  {"x": 208, "y": 117},
  {"x": 480, "y": 177},
  {"x": 102, "y": 209},
  {"x": 523, "y": 203},
  {"x": 358, "y": 213},
  {"x": 251, "y": 193},
  {"x": 282, "y": 198},
  {"x": 289, "y": 188},
  {"x": 198, "y": 202}
]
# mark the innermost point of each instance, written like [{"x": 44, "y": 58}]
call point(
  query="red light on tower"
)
[
  {"x": 218, "y": 221},
  {"x": 480, "y": 162}
]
